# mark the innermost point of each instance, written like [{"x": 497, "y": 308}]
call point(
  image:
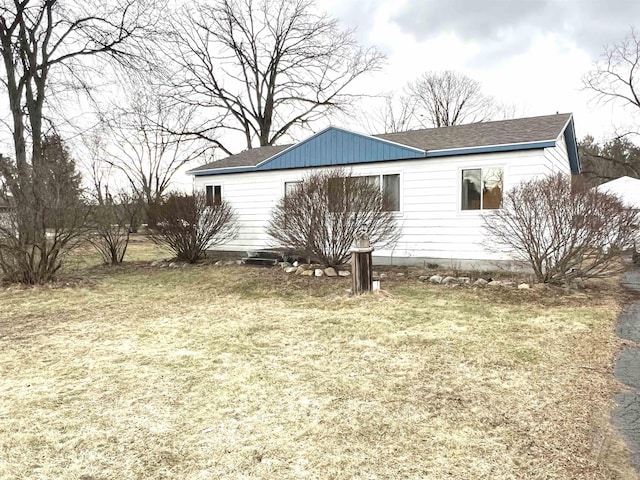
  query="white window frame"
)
[
  {"x": 480, "y": 211},
  {"x": 213, "y": 186}
]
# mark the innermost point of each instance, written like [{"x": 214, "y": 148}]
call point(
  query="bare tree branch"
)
[
  {"x": 265, "y": 67},
  {"x": 450, "y": 98}
]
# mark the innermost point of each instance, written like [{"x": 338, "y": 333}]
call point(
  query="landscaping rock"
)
[
  {"x": 173, "y": 265},
  {"x": 344, "y": 273},
  {"x": 423, "y": 278},
  {"x": 495, "y": 283},
  {"x": 383, "y": 275},
  {"x": 300, "y": 270},
  {"x": 508, "y": 284},
  {"x": 577, "y": 283},
  {"x": 449, "y": 280},
  {"x": 435, "y": 279},
  {"x": 155, "y": 263},
  {"x": 330, "y": 272},
  {"x": 400, "y": 274},
  {"x": 318, "y": 272},
  {"x": 284, "y": 264},
  {"x": 307, "y": 273},
  {"x": 290, "y": 269},
  {"x": 481, "y": 282},
  {"x": 464, "y": 280},
  {"x": 296, "y": 264},
  {"x": 524, "y": 286}
]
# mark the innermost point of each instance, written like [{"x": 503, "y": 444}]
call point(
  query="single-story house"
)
[
  {"x": 626, "y": 189},
  {"x": 443, "y": 180}
]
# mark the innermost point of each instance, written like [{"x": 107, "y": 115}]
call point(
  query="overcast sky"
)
[{"x": 531, "y": 53}]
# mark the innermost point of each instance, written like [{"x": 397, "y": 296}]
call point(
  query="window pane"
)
[
  {"x": 471, "y": 189},
  {"x": 209, "y": 195},
  {"x": 491, "y": 188},
  {"x": 391, "y": 191},
  {"x": 217, "y": 195},
  {"x": 291, "y": 187},
  {"x": 373, "y": 180}
]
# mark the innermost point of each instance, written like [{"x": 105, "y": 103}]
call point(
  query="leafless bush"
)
[
  {"x": 46, "y": 215},
  {"x": 188, "y": 226},
  {"x": 321, "y": 217},
  {"x": 111, "y": 222},
  {"x": 563, "y": 229}
]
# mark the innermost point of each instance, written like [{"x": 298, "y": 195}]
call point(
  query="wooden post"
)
[{"x": 361, "y": 265}]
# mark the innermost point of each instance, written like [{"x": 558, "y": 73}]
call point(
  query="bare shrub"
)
[
  {"x": 321, "y": 217},
  {"x": 112, "y": 222},
  {"x": 46, "y": 216},
  {"x": 187, "y": 226},
  {"x": 563, "y": 229}
]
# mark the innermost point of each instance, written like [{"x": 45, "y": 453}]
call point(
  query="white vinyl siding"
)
[
  {"x": 556, "y": 158},
  {"x": 432, "y": 222}
]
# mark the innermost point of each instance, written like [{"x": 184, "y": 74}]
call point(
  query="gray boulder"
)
[
  {"x": 435, "y": 279},
  {"x": 330, "y": 272}
]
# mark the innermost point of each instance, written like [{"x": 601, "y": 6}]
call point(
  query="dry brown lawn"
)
[{"x": 211, "y": 372}]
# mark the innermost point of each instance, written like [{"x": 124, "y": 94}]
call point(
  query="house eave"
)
[{"x": 428, "y": 154}]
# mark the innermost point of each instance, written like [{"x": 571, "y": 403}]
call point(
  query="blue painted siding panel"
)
[
  {"x": 338, "y": 147},
  {"x": 572, "y": 148}
]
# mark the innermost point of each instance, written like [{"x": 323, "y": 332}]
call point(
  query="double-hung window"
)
[
  {"x": 482, "y": 188},
  {"x": 214, "y": 195}
]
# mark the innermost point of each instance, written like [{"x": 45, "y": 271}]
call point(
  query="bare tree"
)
[
  {"x": 188, "y": 225},
  {"x": 146, "y": 144},
  {"x": 564, "y": 230},
  {"x": 397, "y": 113},
  {"x": 46, "y": 47},
  {"x": 321, "y": 217},
  {"x": 450, "y": 98},
  {"x": 264, "y": 67},
  {"x": 616, "y": 75}
]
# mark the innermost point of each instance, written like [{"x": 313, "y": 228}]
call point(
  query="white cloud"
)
[{"x": 532, "y": 54}]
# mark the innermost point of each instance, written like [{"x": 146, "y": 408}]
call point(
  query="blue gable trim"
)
[
  {"x": 335, "y": 147},
  {"x": 572, "y": 147}
]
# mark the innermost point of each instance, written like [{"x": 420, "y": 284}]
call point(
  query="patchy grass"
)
[{"x": 219, "y": 372}]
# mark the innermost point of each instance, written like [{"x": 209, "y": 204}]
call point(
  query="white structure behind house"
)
[{"x": 626, "y": 189}]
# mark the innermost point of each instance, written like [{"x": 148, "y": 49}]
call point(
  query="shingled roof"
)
[
  {"x": 248, "y": 158},
  {"x": 521, "y": 131},
  {"x": 504, "y": 132}
]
